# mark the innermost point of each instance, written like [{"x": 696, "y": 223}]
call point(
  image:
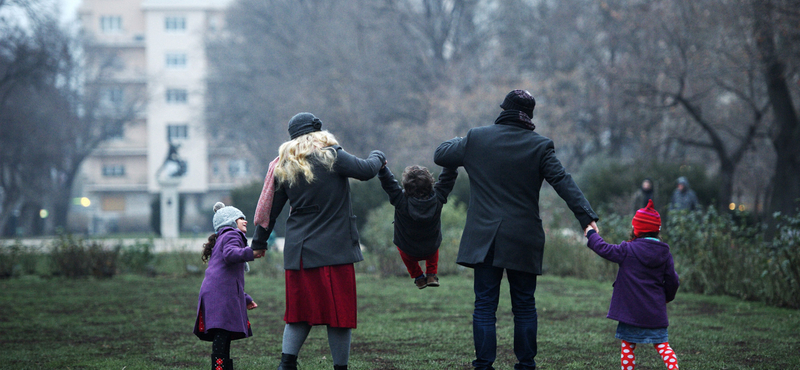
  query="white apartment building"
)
[{"x": 158, "y": 47}]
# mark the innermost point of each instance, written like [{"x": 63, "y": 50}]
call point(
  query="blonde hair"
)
[{"x": 294, "y": 156}]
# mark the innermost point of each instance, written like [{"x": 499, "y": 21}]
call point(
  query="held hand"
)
[
  {"x": 384, "y": 164},
  {"x": 591, "y": 226},
  {"x": 259, "y": 253},
  {"x": 252, "y": 305}
]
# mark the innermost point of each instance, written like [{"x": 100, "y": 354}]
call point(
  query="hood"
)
[
  {"x": 652, "y": 253},
  {"x": 422, "y": 209},
  {"x": 684, "y": 181}
]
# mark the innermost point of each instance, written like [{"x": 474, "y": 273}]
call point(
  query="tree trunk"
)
[
  {"x": 786, "y": 181},
  {"x": 727, "y": 172},
  {"x": 61, "y": 199}
]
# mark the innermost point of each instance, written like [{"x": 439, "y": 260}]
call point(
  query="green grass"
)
[{"x": 133, "y": 322}]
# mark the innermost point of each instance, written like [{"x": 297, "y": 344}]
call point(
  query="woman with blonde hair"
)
[{"x": 312, "y": 173}]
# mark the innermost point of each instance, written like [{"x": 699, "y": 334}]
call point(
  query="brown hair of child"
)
[
  {"x": 417, "y": 182},
  {"x": 209, "y": 246}
]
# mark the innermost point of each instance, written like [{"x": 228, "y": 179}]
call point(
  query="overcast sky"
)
[{"x": 69, "y": 9}]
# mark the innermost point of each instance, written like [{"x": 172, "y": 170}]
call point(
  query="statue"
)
[
  {"x": 169, "y": 176},
  {"x": 173, "y": 166}
]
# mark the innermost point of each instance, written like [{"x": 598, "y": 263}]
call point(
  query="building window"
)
[
  {"x": 115, "y": 130},
  {"x": 113, "y": 170},
  {"x": 111, "y": 24},
  {"x": 177, "y": 132},
  {"x": 237, "y": 168},
  {"x": 215, "y": 169},
  {"x": 113, "y": 204},
  {"x": 175, "y": 24},
  {"x": 176, "y": 60},
  {"x": 176, "y": 96},
  {"x": 113, "y": 95}
]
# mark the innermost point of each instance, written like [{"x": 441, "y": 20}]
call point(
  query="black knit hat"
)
[
  {"x": 520, "y": 100},
  {"x": 303, "y": 123}
]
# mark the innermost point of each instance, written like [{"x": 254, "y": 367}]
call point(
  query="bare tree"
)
[
  {"x": 776, "y": 37},
  {"x": 364, "y": 67},
  {"x": 53, "y": 114}
]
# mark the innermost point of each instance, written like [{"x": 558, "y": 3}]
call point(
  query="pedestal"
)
[{"x": 170, "y": 223}]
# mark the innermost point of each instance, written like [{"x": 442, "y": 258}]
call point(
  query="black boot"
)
[
  {"x": 220, "y": 363},
  {"x": 339, "y": 367},
  {"x": 288, "y": 362}
]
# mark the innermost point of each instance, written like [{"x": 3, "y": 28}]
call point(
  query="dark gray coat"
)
[
  {"x": 506, "y": 165},
  {"x": 417, "y": 222},
  {"x": 321, "y": 229}
]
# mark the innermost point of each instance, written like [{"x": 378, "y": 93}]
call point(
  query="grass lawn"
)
[{"x": 133, "y": 322}]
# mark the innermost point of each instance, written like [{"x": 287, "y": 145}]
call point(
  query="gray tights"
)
[{"x": 294, "y": 335}]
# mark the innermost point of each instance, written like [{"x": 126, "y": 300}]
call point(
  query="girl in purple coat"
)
[
  {"x": 645, "y": 283},
  {"x": 223, "y": 304}
]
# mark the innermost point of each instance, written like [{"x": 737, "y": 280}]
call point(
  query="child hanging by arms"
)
[
  {"x": 645, "y": 283},
  {"x": 417, "y": 218},
  {"x": 223, "y": 304}
]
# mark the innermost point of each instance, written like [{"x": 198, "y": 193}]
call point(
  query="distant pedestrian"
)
[
  {"x": 683, "y": 198},
  {"x": 223, "y": 304},
  {"x": 507, "y": 163},
  {"x": 417, "y": 218},
  {"x": 312, "y": 173},
  {"x": 646, "y": 282},
  {"x": 643, "y": 195}
]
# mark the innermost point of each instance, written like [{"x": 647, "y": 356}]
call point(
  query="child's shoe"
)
[
  {"x": 433, "y": 281},
  {"x": 420, "y": 282}
]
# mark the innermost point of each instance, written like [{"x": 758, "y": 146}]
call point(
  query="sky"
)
[{"x": 69, "y": 9}]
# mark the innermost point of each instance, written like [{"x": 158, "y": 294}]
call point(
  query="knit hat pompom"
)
[
  {"x": 646, "y": 220},
  {"x": 225, "y": 216},
  {"x": 520, "y": 100}
]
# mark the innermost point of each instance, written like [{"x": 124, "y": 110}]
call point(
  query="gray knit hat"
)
[
  {"x": 303, "y": 123},
  {"x": 225, "y": 216}
]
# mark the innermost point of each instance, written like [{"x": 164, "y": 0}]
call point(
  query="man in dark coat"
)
[
  {"x": 507, "y": 163},
  {"x": 683, "y": 198}
]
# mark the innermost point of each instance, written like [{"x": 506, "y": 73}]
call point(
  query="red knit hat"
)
[{"x": 646, "y": 220}]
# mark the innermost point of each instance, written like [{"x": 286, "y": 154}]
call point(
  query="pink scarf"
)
[{"x": 265, "y": 200}]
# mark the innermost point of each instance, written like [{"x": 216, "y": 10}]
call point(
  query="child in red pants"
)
[{"x": 417, "y": 218}]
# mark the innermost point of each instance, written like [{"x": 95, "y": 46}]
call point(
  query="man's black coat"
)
[{"x": 506, "y": 165}]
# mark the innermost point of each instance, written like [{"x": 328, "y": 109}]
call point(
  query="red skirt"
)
[{"x": 322, "y": 296}]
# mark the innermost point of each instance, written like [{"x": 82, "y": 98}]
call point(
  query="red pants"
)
[{"x": 412, "y": 263}]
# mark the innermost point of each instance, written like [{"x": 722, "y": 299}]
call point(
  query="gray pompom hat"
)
[{"x": 225, "y": 216}]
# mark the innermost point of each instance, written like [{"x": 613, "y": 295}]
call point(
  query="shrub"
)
[
  {"x": 73, "y": 258},
  {"x": 566, "y": 253},
  {"x": 137, "y": 258},
  {"x": 377, "y": 235},
  {"x": 715, "y": 255}
]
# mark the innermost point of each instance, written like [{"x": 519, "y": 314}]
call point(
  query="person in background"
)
[
  {"x": 646, "y": 281},
  {"x": 645, "y": 193},
  {"x": 683, "y": 198},
  {"x": 312, "y": 173}
]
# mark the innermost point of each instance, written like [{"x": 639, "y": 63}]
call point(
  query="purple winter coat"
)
[
  {"x": 646, "y": 280},
  {"x": 223, "y": 302}
]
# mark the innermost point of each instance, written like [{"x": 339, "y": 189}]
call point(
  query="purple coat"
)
[
  {"x": 223, "y": 302},
  {"x": 646, "y": 280}
]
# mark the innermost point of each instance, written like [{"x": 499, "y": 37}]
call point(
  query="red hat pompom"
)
[{"x": 646, "y": 220}]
